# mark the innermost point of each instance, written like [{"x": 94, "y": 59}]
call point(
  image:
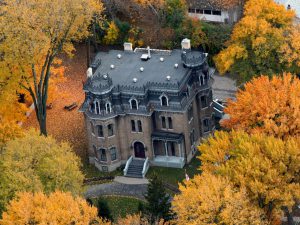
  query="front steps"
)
[{"x": 135, "y": 168}]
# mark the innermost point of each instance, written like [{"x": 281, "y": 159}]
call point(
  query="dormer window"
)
[
  {"x": 201, "y": 79},
  {"x": 134, "y": 104},
  {"x": 108, "y": 107},
  {"x": 97, "y": 107},
  {"x": 164, "y": 101}
]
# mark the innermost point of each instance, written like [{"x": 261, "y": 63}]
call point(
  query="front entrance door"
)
[{"x": 139, "y": 150}]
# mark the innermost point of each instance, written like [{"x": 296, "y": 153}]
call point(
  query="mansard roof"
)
[
  {"x": 122, "y": 70},
  {"x": 203, "y": 4}
]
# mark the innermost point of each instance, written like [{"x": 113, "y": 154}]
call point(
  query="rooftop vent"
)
[
  {"x": 134, "y": 80},
  {"x": 145, "y": 57},
  {"x": 168, "y": 78},
  {"x": 161, "y": 59},
  {"x": 112, "y": 66},
  {"x": 105, "y": 76},
  {"x": 176, "y": 65},
  {"x": 127, "y": 46},
  {"x": 142, "y": 69},
  {"x": 186, "y": 44},
  {"x": 206, "y": 54},
  {"x": 119, "y": 56}
]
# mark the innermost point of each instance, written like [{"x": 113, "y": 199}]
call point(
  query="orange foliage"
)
[
  {"x": 57, "y": 208},
  {"x": 268, "y": 105}
]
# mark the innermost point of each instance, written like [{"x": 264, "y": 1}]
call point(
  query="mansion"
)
[{"x": 147, "y": 107}]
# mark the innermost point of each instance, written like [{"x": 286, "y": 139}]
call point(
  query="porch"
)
[{"x": 168, "y": 149}]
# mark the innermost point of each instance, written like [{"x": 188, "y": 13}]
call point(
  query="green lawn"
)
[
  {"x": 174, "y": 175},
  {"x": 121, "y": 206},
  {"x": 91, "y": 171}
]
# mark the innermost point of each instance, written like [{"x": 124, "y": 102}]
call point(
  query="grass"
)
[
  {"x": 175, "y": 175},
  {"x": 120, "y": 206},
  {"x": 91, "y": 171}
]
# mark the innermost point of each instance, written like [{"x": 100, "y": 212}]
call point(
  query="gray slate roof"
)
[{"x": 128, "y": 67}]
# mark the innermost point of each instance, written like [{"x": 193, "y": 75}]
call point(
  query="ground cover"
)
[
  {"x": 175, "y": 175},
  {"x": 120, "y": 206}
]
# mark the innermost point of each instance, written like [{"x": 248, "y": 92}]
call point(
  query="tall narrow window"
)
[
  {"x": 170, "y": 123},
  {"x": 190, "y": 113},
  {"x": 192, "y": 137},
  {"x": 140, "y": 129},
  {"x": 134, "y": 104},
  {"x": 97, "y": 108},
  {"x": 205, "y": 125},
  {"x": 95, "y": 151},
  {"x": 164, "y": 101},
  {"x": 163, "y": 122},
  {"x": 100, "y": 131},
  {"x": 133, "y": 128},
  {"x": 103, "y": 154},
  {"x": 92, "y": 128},
  {"x": 113, "y": 154},
  {"x": 203, "y": 100},
  {"x": 108, "y": 107},
  {"x": 110, "y": 128},
  {"x": 201, "y": 79}
]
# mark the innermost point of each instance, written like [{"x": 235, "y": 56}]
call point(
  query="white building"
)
[{"x": 208, "y": 11}]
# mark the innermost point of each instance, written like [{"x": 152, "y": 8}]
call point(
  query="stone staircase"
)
[{"x": 135, "y": 168}]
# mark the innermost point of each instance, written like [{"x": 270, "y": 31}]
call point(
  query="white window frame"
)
[
  {"x": 137, "y": 103},
  {"x": 164, "y": 96}
]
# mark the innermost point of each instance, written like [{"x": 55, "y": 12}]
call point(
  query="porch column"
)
[
  {"x": 166, "y": 148},
  {"x": 179, "y": 146},
  {"x": 153, "y": 148}
]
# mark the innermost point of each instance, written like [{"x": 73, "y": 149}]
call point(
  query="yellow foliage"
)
[
  {"x": 265, "y": 166},
  {"x": 37, "y": 163},
  {"x": 58, "y": 208},
  {"x": 9, "y": 131},
  {"x": 35, "y": 33},
  {"x": 112, "y": 34},
  {"x": 267, "y": 105},
  {"x": 260, "y": 40},
  {"x": 210, "y": 199}
]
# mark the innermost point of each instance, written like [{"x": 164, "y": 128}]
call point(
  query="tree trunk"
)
[
  {"x": 43, "y": 127},
  {"x": 290, "y": 219}
]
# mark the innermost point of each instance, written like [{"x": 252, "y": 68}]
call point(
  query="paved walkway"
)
[{"x": 122, "y": 186}]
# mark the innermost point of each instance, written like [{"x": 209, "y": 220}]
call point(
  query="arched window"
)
[
  {"x": 201, "y": 80},
  {"x": 164, "y": 100},
  {"x": 134, "y": 104},
  {"x": 108, "y": 107},
  {"x": 97, "y": 107}
]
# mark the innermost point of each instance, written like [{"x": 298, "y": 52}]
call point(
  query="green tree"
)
[
  {"x": 174, "y": 12},
  {"x": 103, "y": 209},
  {"x": 38, "y": 163},
  {"x": 158, "y": 201},
  {"x": 33, "y": 34},
  {"x": 264, "y": 41}
]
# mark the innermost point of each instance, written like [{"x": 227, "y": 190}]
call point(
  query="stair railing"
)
[
  {"x": 127, "y": 165},
  {"x": 145, "y": 167}
]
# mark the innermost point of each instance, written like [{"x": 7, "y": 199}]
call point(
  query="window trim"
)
[
  {"x": 163, "y": 122},
  {"x": 139, "y": 125},
  {"x": 98, "y": 127},
  {"x": 112, "y": 128},
  {"x": 133, "y": 125},
  {"x": 110, "y": 149},
  {"x": 136, "y": 101},
  {"x": 108, "y": 106},
  {"x": 161, "y": 101},
  {"x": 96, "y": 102}
]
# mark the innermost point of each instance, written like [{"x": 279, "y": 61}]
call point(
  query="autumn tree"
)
[
  {"x": 57, "y": 208},
  {"x": 37, "y": 163},
  {"x": 267, "y": 105},
  {"x": 262, "y": 42},
  {"x": 33, "y": 34},
  {"x": 210, "y": 199},
  {"x": 112, "y": 33},
  {"x": 266, "y": 167}
]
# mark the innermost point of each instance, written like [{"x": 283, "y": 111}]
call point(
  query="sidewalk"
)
[{"x": 130, "y": 180}]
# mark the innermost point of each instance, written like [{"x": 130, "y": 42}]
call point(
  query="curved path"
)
[{"x": 121, "y": 186}]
